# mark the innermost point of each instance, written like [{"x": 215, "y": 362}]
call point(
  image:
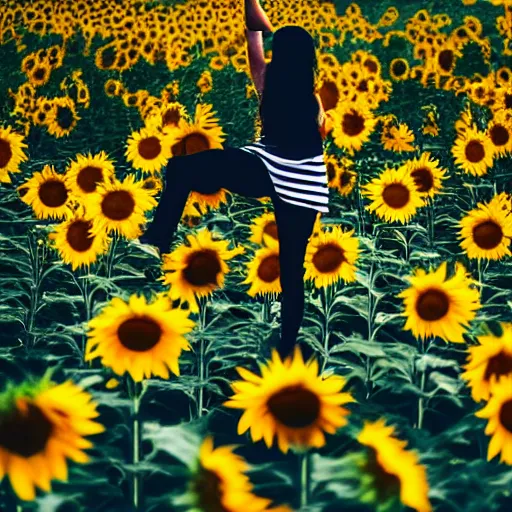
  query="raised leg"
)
[
  {"x": 256, "y": 18},
  {"x": 294, "y": 226},
  {"x": 205, "y": 172}
]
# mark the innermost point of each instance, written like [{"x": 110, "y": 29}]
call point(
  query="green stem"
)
[
  {"x": 326, "y": 297},
  {"x": 421, "y": 399},
  {"x": 201, "y": 355},
  {"x": 304, "y": 479},
  {"x": 138, "y": 390},
  {"x": 265, "y": 309},
  {"x": 111, "y": 256}
]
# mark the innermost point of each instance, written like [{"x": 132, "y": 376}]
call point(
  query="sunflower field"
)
[{"x": 129, "y": 383}]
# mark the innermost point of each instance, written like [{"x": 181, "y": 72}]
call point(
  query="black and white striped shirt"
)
[{"x": 302, "y": 182}]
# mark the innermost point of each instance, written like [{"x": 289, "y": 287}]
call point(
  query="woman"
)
[{"x": 285, "y": 164}]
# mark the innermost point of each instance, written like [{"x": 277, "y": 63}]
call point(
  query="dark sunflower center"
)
[
  {"x": 506, "y": 415},
  {"x": 89, "y": 177},
  {"x": 329, "y": 94},
  {"x": 139, "y": 334},
  {"x": 432, "y": 305},
  {"x": 508, "y": 101},
  {"x": 371, "y": 66},
  {"x": 78, "y": 236},
  {"x": 487, "y": 235},
  {"x": 171, "y": 117},
  {"x": 150, "y": 148},
  {"x": 328, "y": 258},
  {"x": 5, "y": 153},
  {"x": 207, "y": 487},
  {"x": 399, "y": 68},
  {"x": 271, "y": 229},
  {"x": 53, "y": 193},
  {"x": 65, "y": 117},
  {"x": 499, "y": 135},
  {"x": 39, "y": 74},
  {"x": 475, "y": 151},
  {"x": 386, "y": 484},
  {"x": 193, "y": 143},
  {"x": 446, "y": 59},
  {"x": 269, "y": 269},
  {"x": 353, "y": 124},
  {"x": 331, "y": 171},
  {"x": 202, "y": 268},
  {"x": 363, "y": 86},
  {"x": 500, "y": 364},
  {"x": 108, "y": 57},
  {"x": 345, "y": 178},
  {"x": 295, "y": 406},
  {"x": 396, "y": 195},
  {"x": 25, "y": 433},
  {"x": 118, "y": 205},
  {"x": 423, "y": 179}
]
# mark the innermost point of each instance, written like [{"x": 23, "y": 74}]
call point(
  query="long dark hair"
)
[{"x": 289, "y": 109}]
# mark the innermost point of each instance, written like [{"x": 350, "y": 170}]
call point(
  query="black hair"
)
[{"x": 288, "y": 109}]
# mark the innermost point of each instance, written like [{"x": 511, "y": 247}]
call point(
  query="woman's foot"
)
[{"x": 256, "y": 18}]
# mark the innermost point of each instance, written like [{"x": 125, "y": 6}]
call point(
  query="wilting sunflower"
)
[
  {"x": 197, "y": 269},
  {"x": 263, "y": 272},
  {"x": 340, "y": 174},
  {"x": 41, "y": 425},
  {"x": 473, "y": 152},
  {"x": 47, "y": 194},
  {"x": 488, "y": 362},
  {"x": 75, "y": 243},
  {"x": 264, "y": 230},
  {"x": 62, "y": 118},
  {"x": 141, "y": 338},
  {"x": 397, "y": 138},
  {"x": 396, "y": 474},
  {"x": 11, "y": 153},
  {"x": 119, "y": 206},
  {"x": 427, "y": 174},
  {"x": 203, "y": 134},
  {"x": 353, "y": 123},
  {"x": 219, "y": 482},
  {"x": 87, "y": 171},
  {"x": 394, "y": 194},
  {"x": 439, "y": 306},
  {"x": 290, "y": 401},
  {"x": 486, "y": 232},
  {"x": 148, "y": 149},
  {"x": 331, "y": 256},
  {"x": 499, "y": 412}
]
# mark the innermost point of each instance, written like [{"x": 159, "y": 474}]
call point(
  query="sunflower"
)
[
  {"x": 329, "y": 93},
  {"x": 353, "y": 125},
  {"x": 474, "y": 152},
  {"x": 488, "y": 362},
  {"x": 119, "y": 206},
  {"x": 499, "y": 412},
  {"x": 500, "y": 134},
  {"x": 331, "y": 256},
  {"x": 148, "y": 149},
  {"x": 394, "y": 195},
  {"x": 168, "y": 116},
  {"x": 153, "y": 184},
  {"x": 203, "y": 134},
  {"x": 210, "y": 201},
  {"x": 427, "y": 174},
  {"x": 439, "y": 306},
  {"x": 197, "y": 269},
  {"x": 62, "y": 118},
  {"x": 290, "y": 400},
  {"x": 141, "y": 338},
  {"x": 87, "y": 171},
  {"x": 40, "y": 74},
  {"x": 263, "y": 272},
  {"x": 75, "y": 243},
  {"x": 114, "y": 88},
  {"x": 219, "y": 482},
  {"x": 264, "y": 230},
  {"x": 486, "y": 232},
  {"x": 397, "y": 139},
  {"x": 340, "y": 174},
  {"x": 47, "y": 194},
  {"x": 399, "y": 69},
  {"x": 41, "y": 425},
  {"x": 11, "y": 153},
  {"x": 396, "y": 473}
]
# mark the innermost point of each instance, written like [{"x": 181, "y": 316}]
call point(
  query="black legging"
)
[{"x": 245, "y": 174}]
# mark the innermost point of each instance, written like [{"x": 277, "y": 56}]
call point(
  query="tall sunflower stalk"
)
[
  {"x": 304, "y": 465},
  {"x": 360, "y": 206},
  {"x": 265, "y": 309},
  {"x": 83, "y": 284},
  {"x": 422, "y": 372},
  {"x": 110, "y": 257},
  {"x": 203, "y": 369},
  {"x": 136, "y": 390},
  {"x": 327, "y": 294}
]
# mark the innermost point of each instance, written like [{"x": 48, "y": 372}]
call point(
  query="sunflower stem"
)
[
  {"x": 304, "y": 479},
  {"x": 326, "y": 294},
  {"x": 360, "y": 206},
  {"x": 431, "y": 222},
  {"x": 265, "y": 309},
  {"x": 34, "y": 292},
  {"x": 202, "y": 367},
  {"x": 111, "y": 255},
  {"x": 137, "y": 393},
  {"x": 421, "y": 399}
]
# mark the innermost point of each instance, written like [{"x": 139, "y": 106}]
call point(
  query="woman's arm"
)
[
  {"x": 321, "y": 117},
  {"x": 256, "y": 55}
]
